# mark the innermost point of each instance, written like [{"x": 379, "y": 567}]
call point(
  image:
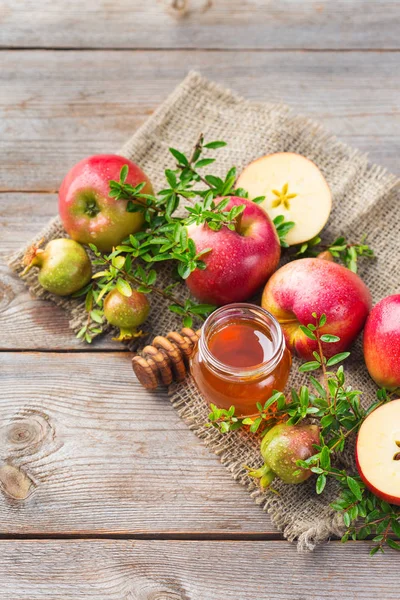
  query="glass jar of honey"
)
[{"x": 240, "y": 358}]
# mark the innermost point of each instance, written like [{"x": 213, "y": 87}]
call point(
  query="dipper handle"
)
[{"x": 166, "y": 359}]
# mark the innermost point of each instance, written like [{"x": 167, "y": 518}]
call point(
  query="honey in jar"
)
[{"x": 240, "y": 358}]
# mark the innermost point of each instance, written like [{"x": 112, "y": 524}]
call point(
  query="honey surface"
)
[{"x": 241, "y": 344}]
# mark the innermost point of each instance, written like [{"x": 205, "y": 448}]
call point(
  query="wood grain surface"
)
[
  {"x": 176, "y": 570},
  {"x": 84, "y": 451},
  {"x": 249, "y": 24},
  {"x": 57, "y": 107}
]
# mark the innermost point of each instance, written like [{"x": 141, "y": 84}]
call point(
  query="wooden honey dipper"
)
[{"x": 166, "y": 359}]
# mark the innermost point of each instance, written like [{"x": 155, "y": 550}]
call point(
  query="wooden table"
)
[{"x": 106, "y": 494}]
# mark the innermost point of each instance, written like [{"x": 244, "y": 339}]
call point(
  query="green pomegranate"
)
[
  {"x": 281, "y": 448},
  {"x": 126, "y": 312},
  {"x": 64, "y": 266}
]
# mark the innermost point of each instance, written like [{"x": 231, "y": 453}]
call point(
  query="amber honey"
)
[{"x": 240, "y": 358}]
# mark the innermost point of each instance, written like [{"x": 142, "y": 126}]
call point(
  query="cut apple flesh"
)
[
  {"x": 293, "y": 186},
  {"x": 378, "y": 452}
]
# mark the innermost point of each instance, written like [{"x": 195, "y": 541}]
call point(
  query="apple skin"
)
[
  {"x": 382, "y": 342},
  {"x": 382, "y": 495},
  {"x": 309, "y": 285},
  {"x": 240, "y": 262},
  {"x": 88, "y": 213}
]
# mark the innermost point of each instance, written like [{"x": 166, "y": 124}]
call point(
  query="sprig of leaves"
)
[
  {"x": 120, "y": 270},
  {"x": 282, "y": 228},
  {"x": 336, "y": 407},
  {"x": 164, "y": 237},
  {"x": 347, "y": 253}
]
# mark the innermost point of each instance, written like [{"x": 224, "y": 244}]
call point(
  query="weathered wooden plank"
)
[
  {"x": 30, "y": 324},
  {"x": 57, "y": 107},
  {"x": 206, "y": 24},
  {"x": 84, "y": 449},
  {"x": 176, "y": 570}
]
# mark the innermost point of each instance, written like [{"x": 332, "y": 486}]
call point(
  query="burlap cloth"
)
[{"x": 365, "y": 202}]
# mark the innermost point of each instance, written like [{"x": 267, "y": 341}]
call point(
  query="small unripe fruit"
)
[
  {"x": 64, "y": 266},
  {"x": 281, "y": 448},
  {"x": 126, "y": 312}
]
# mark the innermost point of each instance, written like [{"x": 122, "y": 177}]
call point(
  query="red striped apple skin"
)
[
  {"x": 88, "y": 213},
  {"x": 310, "y": 285},
  {"x": 240, "y": 262},
  {"x": 382, "y": 342},
  {"x": 372, "y": 431}
]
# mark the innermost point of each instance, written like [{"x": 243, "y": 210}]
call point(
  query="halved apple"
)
[
  {"x": 378, "y": 452},
  {"x": 293, "y": 186}
]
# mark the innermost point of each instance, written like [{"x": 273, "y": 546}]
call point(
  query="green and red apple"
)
[
  {"x": 378, "y": 452},
  {"x": 240, "y": 261},
  {"x": 382, "y": 343},
  {"x": 311, "y": 285},
  {"x": 88, "y": 212}
]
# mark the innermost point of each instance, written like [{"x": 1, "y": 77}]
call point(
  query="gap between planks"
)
[
  {"x": 176, "y": 536},
  {"x": 192, "y": 50}
]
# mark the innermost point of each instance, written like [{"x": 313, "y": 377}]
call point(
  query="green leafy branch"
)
[
  {"x": 336, "y": 407},
  {"x": 347, "y": 253}
]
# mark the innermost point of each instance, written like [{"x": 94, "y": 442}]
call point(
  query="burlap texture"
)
[{"x": 365, "y": 202}]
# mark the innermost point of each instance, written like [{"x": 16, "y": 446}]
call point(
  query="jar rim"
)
[{"x": 246, "y": 310}]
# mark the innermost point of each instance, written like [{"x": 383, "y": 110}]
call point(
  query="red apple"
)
[
  {"x": 378, "y": 452},
  {"x": 88, "y": 213},
  {"x": 240, "y": 261},
  {"x": 382, "y": 342},
  {"x": 312, "y": 285}
]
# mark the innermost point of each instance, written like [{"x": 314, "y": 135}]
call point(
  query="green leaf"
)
[
  {"x": 123, "y": 174},
  {"x": 322, "y": 320},
  {"x": 123, "y": 287},
  {"x": 89, "y": 301},
  {"x": 118, "y": 262},
  {"x": 329, "y": 338},
  {"x": 175, "y": 308},
  {"x": 187, "y": 321},
  {"x": 325, "y": 458},
  {"x": 181, "y": 158},
  {"x": 81, "y": 332},
  {"x": 214, "y": 145},
  {"x": 320, "y": 389},
  {"x": 204, "y": 162},
  {"x": 254, "y": 427},
  {"x": 392, "y": 544},
  {"x": 96, "y": 316},
  {"x": 171, "y": 178},
  {"x": 354, "y": 487},
  {"x": 395, "y": 527},
  {"x": 307, "y": 332},
  {"x": 321, "y": 483},
  {"x": 309, "y": 366},
  {"x": 82, "y": 291},
  {"x": 337, "y": 358}
]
